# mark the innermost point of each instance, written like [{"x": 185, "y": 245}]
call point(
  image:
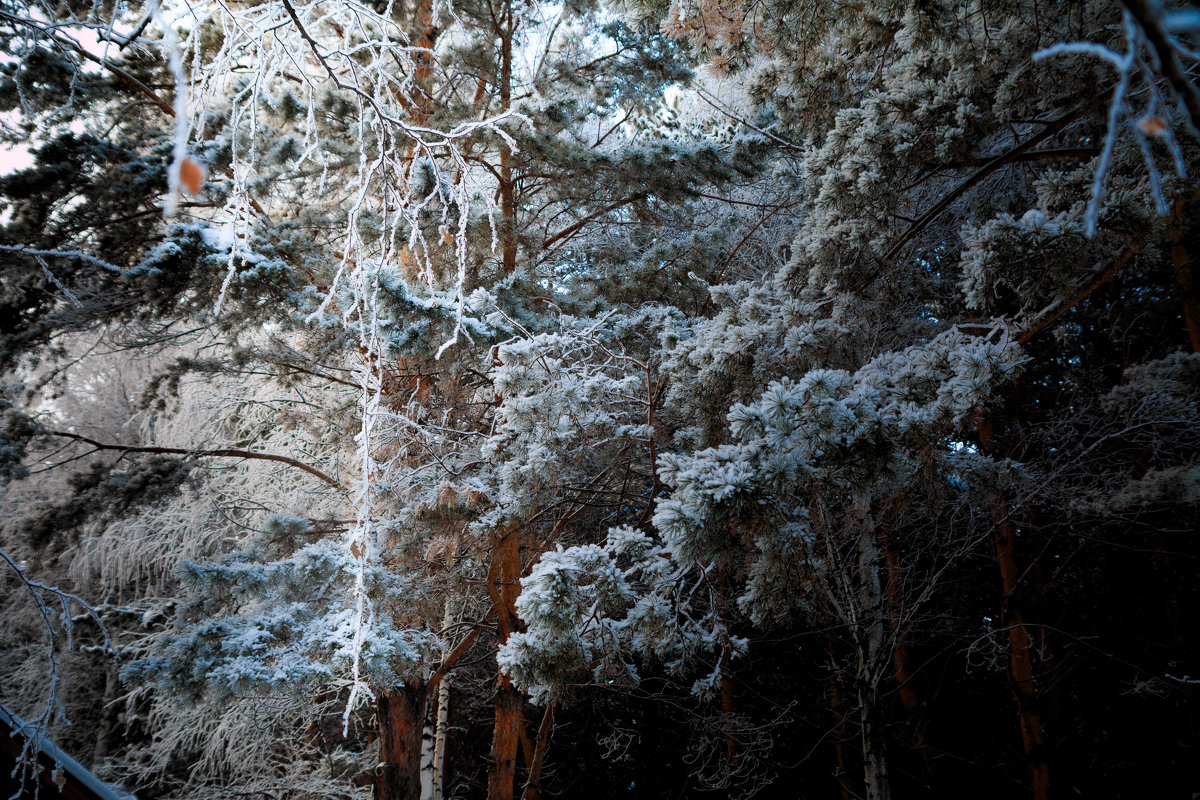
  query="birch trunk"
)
[{"x": 441, "y": 728}]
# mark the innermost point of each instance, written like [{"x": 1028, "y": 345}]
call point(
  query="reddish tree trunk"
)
[
  {"x": 400, "y": 716},
  {"x": 1020, "y": 655},
  {"x": 506, "y": 738},
  {"x": 900, "y": 658},
  {"x": 504, "y": 588},
  {"x": 508, "y": 202},
  {"x": 1020, "y": 647}
]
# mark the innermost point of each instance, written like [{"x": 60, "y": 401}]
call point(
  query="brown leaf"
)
[
  {"x": 192, "y": 175},
  {"x": 1152, "y": 126}
]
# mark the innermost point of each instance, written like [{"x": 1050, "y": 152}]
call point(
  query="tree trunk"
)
[
  {"x": 900, "y": 658},
  {"x": 1020, "y": 648},
  {"x": 841, "y": 758},
  {"x": 1020, "y": 655},
  {"x": 441, "y": 727},
  {"x": 400, "y": 720},
  {"x": 533, "y": 785},
  {"x": 503, "y": 587},
  {"x": 109, "y": 718},
  {"x": 428, "y": 735},
  {"x": 427, "y": 36},
  {"x": 1182, "y": 262},
  {"x": 506, "y": 739},
  {"x": 871, "y": 632},
  {"x": 508, "y": 202}
]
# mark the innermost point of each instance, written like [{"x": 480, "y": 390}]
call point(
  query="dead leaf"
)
[
  {"x": 192, "y": 175},
  {"x": 1153, "y": 126}
]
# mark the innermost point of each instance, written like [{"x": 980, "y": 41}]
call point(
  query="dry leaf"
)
[
  {"x": 356, "y": 550},
  {"x": 192, "y": 175},
  {"x": 1152, "y": 126}
]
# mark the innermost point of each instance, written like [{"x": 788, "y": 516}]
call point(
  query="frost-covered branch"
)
[
  {"x": 228, "y": 452},
  {"x": 59, "y": 624},
  {"x": 1156, "y": 119},
  {"x": 1157, "y": 25}
]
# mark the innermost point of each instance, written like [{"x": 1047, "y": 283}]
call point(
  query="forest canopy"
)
[{"x": 503, "y": 398}]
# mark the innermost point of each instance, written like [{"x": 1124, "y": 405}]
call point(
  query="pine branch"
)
[
  {"x": 1104, "y": 278},
  {"x": 181, "y": 451},
  {"x": 103, "y": 62},
  {"x": 784, "y": 143},
  {"x": 1004, "y": 159},
  {"x": 449, "y": 661},
  {"x": 574, "y": 228}
]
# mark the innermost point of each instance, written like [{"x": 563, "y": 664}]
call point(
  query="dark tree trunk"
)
[
  {"x": 533, "y": 785},
  {"x": 1020, "y": 646},
  {"x": 900, "y": 655},
  {"x": 1182, "y": 262}
]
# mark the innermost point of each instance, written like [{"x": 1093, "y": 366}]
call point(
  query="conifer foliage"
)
[{"x": 423, "y": 399}]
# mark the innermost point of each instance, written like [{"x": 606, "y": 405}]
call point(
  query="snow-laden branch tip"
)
[{"x": 1156, "y": 120}]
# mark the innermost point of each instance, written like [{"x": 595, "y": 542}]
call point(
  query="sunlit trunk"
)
[
  {"x": 400, "y": 720},
  {"x": 504, "y": 588}
]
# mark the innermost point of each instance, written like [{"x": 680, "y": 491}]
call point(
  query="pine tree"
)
[{"x": 518, "y": 391}]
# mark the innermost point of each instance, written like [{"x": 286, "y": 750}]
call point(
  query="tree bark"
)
[
  {"x": 870, "y": 635},
  {"x": 508, "y": 201},
  {"x": 841, "y": 758},
  {"x": 900, "y": 655},
  {"x": 1020, "y": 655},
  {"x": 441, "y": 727},
  {"x": 533, "y": 785},
  {"x": 400, "y": 720},
  {"x": 1020, "y": 666},
  {"x": 428, "y": 737},
  {"x": 503, "y": 587},
  {"x": 506, "y": 739},
  {"x": 1182, "y": 262}
]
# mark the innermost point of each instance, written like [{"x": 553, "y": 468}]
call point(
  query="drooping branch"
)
[
  {"x": 1149, "y": 18},
  {"x": 182, "y": 451},
  {"x": 1040, "y": 324},
  {"x": 1008, "y": 157},
  {"x": 62, "y": 41}
]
